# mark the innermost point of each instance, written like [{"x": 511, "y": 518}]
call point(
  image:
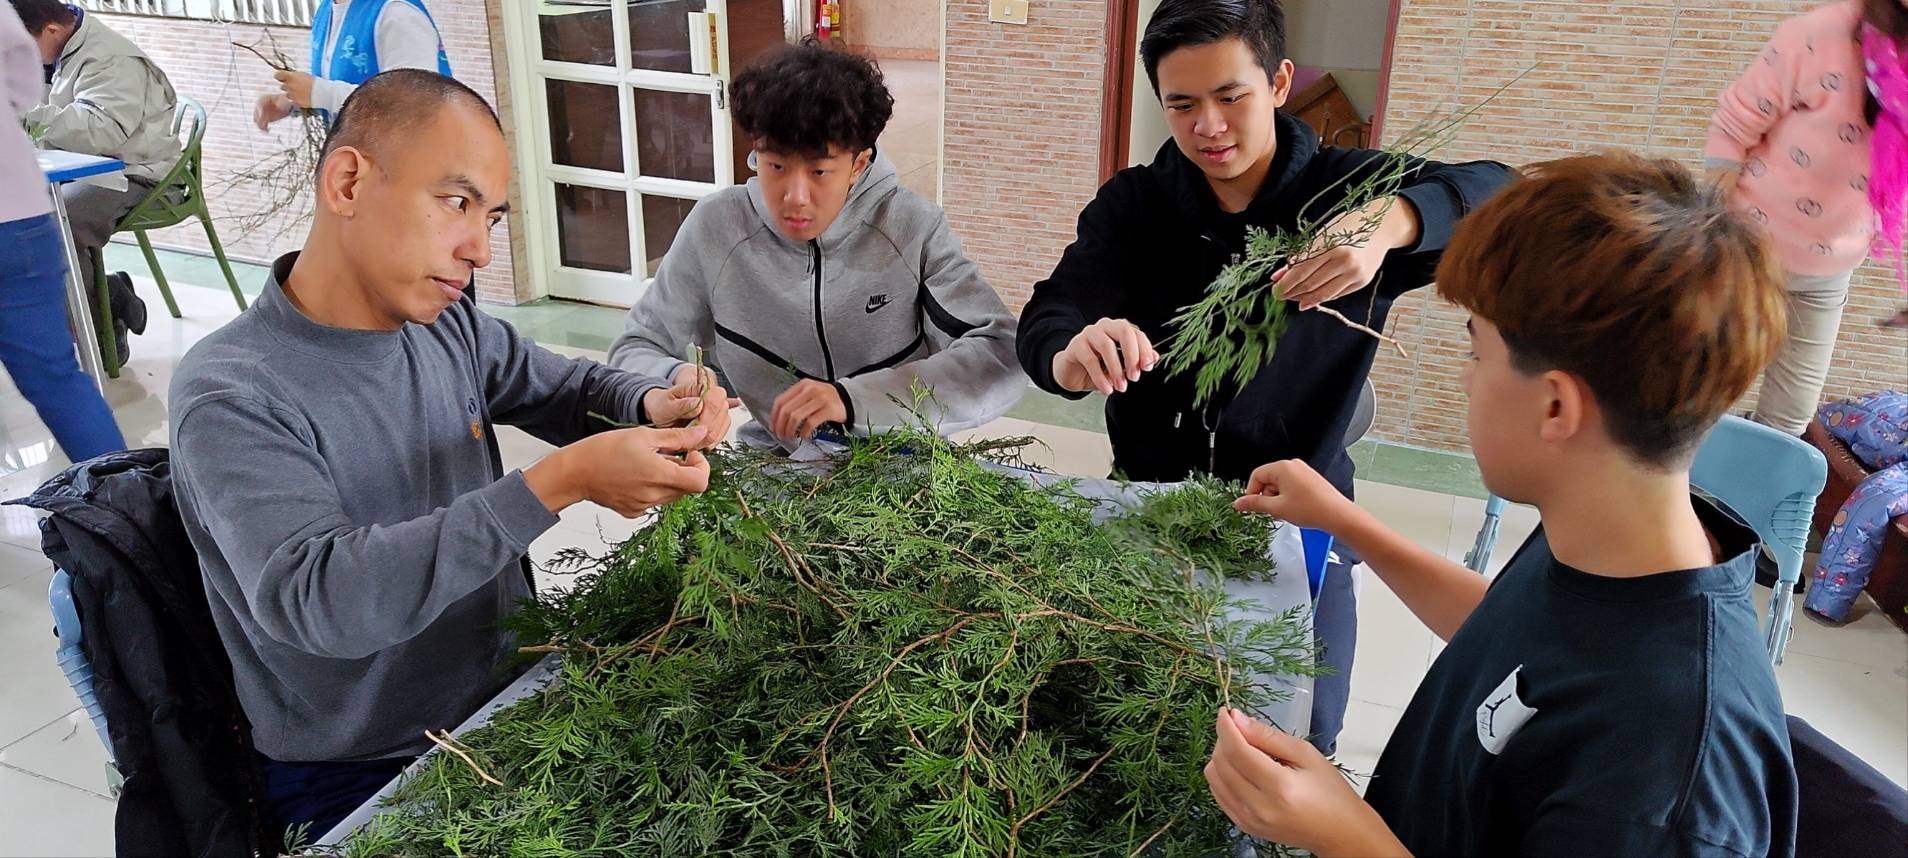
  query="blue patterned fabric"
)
[
  {"x": 354, "y": 59},
  {"x": 1853, "y": 544},
  {"x": 1875, "y": 427}
]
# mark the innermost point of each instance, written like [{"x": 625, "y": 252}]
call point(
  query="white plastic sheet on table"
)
[{"x": 1265, "y": 600}]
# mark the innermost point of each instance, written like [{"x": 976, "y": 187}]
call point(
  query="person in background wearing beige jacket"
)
[{"x": 107, "y": 98}]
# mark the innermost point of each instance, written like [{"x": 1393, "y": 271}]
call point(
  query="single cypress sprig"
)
[{"x": 1232, "y": 332}]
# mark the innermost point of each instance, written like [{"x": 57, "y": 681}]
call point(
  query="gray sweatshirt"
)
[
  {"x": 358, "y": 548},
  {"x": 883, "y": 300}
]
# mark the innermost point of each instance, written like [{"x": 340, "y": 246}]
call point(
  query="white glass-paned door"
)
[{"x": 627, "y": 122}]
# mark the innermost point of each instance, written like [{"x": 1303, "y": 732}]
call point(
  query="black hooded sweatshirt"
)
[{"x": 1155, "y": 237}]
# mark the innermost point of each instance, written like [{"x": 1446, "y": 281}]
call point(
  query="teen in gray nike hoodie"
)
[{"x": 880, "y": 301}]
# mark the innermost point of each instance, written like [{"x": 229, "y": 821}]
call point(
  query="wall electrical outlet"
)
[{"x": 1007, "y": 11}]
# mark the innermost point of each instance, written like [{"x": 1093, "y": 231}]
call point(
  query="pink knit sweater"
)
[{"x": 1794, "y": 125}]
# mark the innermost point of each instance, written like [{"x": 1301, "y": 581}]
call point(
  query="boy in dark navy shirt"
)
[{"x": 1609, "y": 693}]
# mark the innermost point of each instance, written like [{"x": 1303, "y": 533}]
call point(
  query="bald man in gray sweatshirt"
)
[{"x": 333, "y": 460}]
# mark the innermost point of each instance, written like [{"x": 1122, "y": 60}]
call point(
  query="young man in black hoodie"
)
[{"x": 1156, "y": 235}]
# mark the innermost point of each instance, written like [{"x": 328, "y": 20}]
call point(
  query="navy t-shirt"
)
[{"x": 1576, "y": 714}]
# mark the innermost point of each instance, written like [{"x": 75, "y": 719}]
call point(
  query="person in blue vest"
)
[{"x": 350, "y": 42}]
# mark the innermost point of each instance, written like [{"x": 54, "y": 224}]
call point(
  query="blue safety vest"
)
[{"x": 354, "y": 59}]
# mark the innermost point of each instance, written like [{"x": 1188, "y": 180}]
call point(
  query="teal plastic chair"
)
[
  {"x": 1486, "y": 541},
  {"x": 78, "y": 670},
  {"x": 72, "y": 657},
  {"x": 1769, "y": 479},
  {"x": 178, "y": 196}
]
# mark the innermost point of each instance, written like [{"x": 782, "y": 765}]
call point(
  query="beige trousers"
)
[{"x": 1792, "y": 385}]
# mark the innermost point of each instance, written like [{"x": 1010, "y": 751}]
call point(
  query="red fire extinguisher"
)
[{"x": 828, "y": 20}]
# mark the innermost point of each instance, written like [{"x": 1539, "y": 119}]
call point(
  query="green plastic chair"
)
[{"x": 177, "y": 196}]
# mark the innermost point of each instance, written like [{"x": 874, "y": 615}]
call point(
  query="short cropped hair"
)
[
  {"x": 804, "y": 98},
  {"x": 1192, "y": 23},
  {"x": 394, "y": 103},
  {"x": 1630, "y": 274},
  {"x": 37, "y": 14}
]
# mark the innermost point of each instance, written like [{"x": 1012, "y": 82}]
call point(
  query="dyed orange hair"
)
[{"x": 1633, "y": 276}]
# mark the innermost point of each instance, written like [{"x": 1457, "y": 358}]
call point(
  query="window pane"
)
[
  {"x": 675, "y": 135},
  {"x": 577, "y": 32},
  {"x": 659, "y": 33},
  {"x": 585, "y": 129},
  {"x": 592, "y": 228},
  {"x": 662, "y": 218}
]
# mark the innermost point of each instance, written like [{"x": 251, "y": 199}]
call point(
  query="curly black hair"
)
[{"x": 803, "y": 99}]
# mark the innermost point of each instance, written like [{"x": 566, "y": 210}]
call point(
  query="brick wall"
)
[
  {"x": 1642, "y": 74},
  {"x": 199, "y": 58},
  {"x": 1022, "y": 148}
]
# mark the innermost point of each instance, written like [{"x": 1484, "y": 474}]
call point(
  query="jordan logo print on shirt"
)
[
  {"x": 1502, "y": 714},
  {"x": 877, "y": 302},
  {"x": 1490, "y": 721}
]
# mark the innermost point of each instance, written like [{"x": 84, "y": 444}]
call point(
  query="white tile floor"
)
[
  {"x": 1850, "y": 682},
  {"x": 913, "y": 137}
]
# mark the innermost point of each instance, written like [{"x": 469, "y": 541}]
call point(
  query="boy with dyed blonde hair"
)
[{"x": 1608, "y": 693}]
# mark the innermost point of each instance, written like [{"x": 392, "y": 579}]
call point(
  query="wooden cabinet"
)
[{"x": 1322, "y": 105}]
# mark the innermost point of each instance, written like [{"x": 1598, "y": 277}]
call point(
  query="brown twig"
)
[
  {"x": 1013, "y": 836},
  {"x": 280, "y": 64},
  {"x": 1114, "y": 626},
  {"x": 1006, "y": 655},
  {"x": 281, "y": 180},
  {"x": 1358, "y": 327},
  {"x": 663, "y": 633},
  {"x": 1157, "y": 834},
  {"x": 1218, "y": 662},
  {"x": 795, "y": 565},
  {"x": 450, "y": 744},
  {"x": 702, "y": 383},
  {"x": 606, "y": 655},
  {"x": 828, "y": 782},
  {"x": 914, "y": 738}
]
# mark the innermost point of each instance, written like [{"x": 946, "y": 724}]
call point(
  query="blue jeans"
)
[
  {"x": 1334, "y": 627},
  {"x": 36, "y": 346}
]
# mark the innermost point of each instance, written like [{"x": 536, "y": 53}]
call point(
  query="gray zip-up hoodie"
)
[{"x": 882, "y": 300}]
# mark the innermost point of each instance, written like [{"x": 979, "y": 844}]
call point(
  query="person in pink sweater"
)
[{"x": 1810, "y": 142}]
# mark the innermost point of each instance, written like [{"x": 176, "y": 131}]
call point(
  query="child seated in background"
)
[{"x": 1608, "y": 693}]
